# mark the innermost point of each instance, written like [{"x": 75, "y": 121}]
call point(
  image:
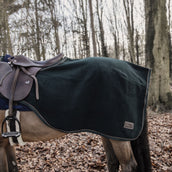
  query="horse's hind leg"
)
[
  {"x": 11, "y": 158},
  {"x": 124, "y": 153},
  {"x": 112, "y": 161}
]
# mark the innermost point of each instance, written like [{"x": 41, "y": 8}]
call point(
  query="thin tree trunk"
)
[
  {"x": 92, "y": 29},
  {"x": 128, "y": 6},
  {"x": 123, "y": 51},
  {"x": 85, "y": 31},
  {"x": 170, "y": 54},
  {"x": 169, "y": 34},
  {"x": 55, "y": 24},
  {"x": 137, "y": 46},
  {"x": 102, "y": 37},
  {"x": 114, "y": 26},
  {"x": 116, "y": 45},
  {"x": 38, "y": 54},
  {"x": 3, "y": 27}
]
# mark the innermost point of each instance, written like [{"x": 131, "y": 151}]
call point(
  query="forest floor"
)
[{"x": 83, "y": 152}]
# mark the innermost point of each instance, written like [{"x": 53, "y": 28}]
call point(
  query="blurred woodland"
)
[{"x": 137, "y": 31}]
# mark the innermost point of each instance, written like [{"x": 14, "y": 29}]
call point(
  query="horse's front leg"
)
[
  {"x": 3, "y": 160},
  {"x": 11, "y": 158},
  {"x": 124, "y": 153},
  {"x": 3, "y": 156},
  {"x": 112, "y": 161}
]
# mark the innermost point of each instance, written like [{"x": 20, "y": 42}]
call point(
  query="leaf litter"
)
[{"x": 83, "y": 152}]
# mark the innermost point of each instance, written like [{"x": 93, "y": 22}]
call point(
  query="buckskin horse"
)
[{"x": 99, "y": 95}]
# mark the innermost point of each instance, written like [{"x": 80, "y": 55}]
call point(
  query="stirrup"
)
[{"x": 11, "y": 133}]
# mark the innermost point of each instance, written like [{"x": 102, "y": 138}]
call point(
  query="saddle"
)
[{"x": 16, "y": 80}]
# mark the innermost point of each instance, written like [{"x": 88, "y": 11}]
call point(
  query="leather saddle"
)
[
  {"x": 16, "y": 80},
  {"x": 27, "y": 74}
]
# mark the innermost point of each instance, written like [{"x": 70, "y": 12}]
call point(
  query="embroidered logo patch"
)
[{"x": 129, "y": 125}]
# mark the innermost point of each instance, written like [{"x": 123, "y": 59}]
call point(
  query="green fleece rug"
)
[{"x": 100, "y": 95}]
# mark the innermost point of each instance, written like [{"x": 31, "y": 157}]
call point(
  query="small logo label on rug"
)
[{"x": 129, "y": 125}]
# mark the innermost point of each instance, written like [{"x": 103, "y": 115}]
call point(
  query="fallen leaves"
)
[
  {"x": 83, "y": 152},
  {"x": 160, "y": 140}
]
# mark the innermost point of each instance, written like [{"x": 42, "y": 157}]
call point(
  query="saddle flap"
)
[
  {"x": 5, "y": 69},
  {"x": 23, "y": 87}
]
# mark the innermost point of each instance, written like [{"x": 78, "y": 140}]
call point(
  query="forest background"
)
[{"x": 136, "y": 31}]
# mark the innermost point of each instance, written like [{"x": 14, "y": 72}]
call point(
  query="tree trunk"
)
[
  {"x": 85, "y": 36},
  {"x": 157, "y": 51},
  {"x": 10, "y": 50},
  {"x": 169, "y": 34},
  {"x": 100, "y": 20},
  {"x": 114, "y": 28},
  {"x": 37, "y": 48},
  {"x": 55, "y": 24},
  {"x": 3, "y": 25},
  {"x": 116, "y": 45},
  {"x": 123, "y": 50},
  {"x": 5, "y": 39},
  {"x": 92, "y": 29},
  {"x": 170, "y": 54},
  {"x": 128, "y": 6},
  {"x": 137, "y": 46}
]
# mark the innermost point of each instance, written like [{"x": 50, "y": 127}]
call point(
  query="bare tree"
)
[
  {"x": 128, "y": 7},
  {"x": 157, "y": 51},
  {"x": 92, "y": 28},
  {"x": 100, "y": 11},
  {"x": 114, "y": 25},
  {"x": 137, "y": 46},
  {"x": 55, "y": 23},
  {"x": 37, "y": 44},
  {"x": 85, "y": 37},
  {"x": 169, "y": 33},
  {"x": 6, "y": 9}
]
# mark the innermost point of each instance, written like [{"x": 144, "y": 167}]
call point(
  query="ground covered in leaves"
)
[{"x": 83, "y": 152}]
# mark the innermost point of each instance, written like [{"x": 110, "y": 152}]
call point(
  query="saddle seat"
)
[
  {"x": 27, "y": 74},
  {"x": 26, "y": 62}
]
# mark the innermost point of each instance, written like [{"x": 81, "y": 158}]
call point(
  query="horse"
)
[
  {"x": 93, "y": 81},
  {"x": 131, "y": 155}
]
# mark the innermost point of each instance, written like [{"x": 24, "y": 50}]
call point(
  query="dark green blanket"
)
[{"x": 100, "y": 95}]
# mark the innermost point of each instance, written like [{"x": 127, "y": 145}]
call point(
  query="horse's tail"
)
[{"x": 141, "y": 151}]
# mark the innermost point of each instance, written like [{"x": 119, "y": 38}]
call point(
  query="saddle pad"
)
[
  {"x": 4, "y": 105},
  {"x": 100, "y": 95}
]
